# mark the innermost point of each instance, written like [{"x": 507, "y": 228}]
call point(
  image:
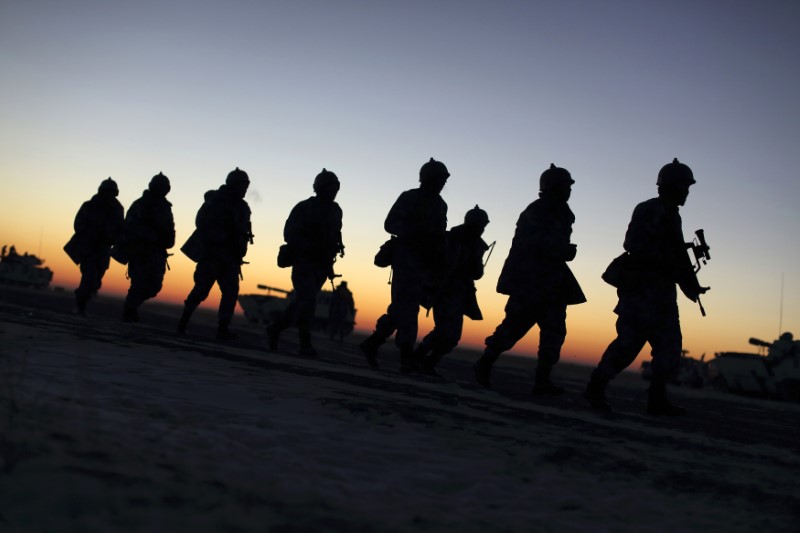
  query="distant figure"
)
[
  {"x": 313, "y": 235},
  {"x": 147, "y": 234},
  {"x": 538, "y": 282},
  {"x": 418, "y": 220},
  {"x": 218, "y": 245},
  {"x": 455, "y": 297},
  {"x": 647, "y": 311},
  {"x": 97, "y": 226},
  {"x": 342, "y": 305},
  {"x": 784, "y": 347}
]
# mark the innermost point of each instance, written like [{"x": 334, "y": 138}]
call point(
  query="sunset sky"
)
[{"x": 370, "y": 90}]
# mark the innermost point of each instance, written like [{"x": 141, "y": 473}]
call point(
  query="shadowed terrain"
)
[{"x": 113, "y": 426}]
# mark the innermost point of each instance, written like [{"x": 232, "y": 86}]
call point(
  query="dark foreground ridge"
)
[{"x": 130, "y": 426}]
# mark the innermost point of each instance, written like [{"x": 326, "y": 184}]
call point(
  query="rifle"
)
[{"x": 700, "y": 250}]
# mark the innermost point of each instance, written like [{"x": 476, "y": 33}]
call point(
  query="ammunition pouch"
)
[
  {"x": 385, "y": 255},
  {"x": 618, "y": 272},
  {"x": 285, "y": 256}
]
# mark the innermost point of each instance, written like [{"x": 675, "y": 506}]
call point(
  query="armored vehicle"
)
[
  {"x": 264, "y": 308},
  {"x": 774, "y": 374},
  {"x": 24, "y": 270}
]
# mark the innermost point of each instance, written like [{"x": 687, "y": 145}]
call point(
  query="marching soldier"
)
[
  {"x": 455, "y": 297},
  {"x": 97, "y": 226},
  {"x": 313, "y": 235},
  {"x": 418, "y": 220},
  {"x": 218, "y": 246},
  {"x": 647, "y": 311},
  {"x": 538, "y": 282},
  {"x": 147, "y": 234}
]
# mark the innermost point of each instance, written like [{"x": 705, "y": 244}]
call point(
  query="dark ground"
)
[{"x": 738, "y": 457}]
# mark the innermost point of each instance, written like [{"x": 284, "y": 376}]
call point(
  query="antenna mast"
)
[{"x": 780, "y": 315}]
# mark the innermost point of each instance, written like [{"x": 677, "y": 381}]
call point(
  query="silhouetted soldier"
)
[
  {"x": 418, "y": 219},
  {"x": 538, "y": 282},
  {"x": 342, "y": 306},
  {"x": 97, "y": 226},
  {"x": 455, "y": 296},
  {"x": 147, "y": 234},
  {"x": 648, "y": 309},
  {"x": 218, "y": 245},
  {"x": 313, "y": 233}
]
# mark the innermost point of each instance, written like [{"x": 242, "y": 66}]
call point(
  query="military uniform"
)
[
  {"x": 97, "y": 226},
  {"x": 313, "y": 233},
  {"x": 538, "y": 282},
  {"x": 647, "y": 310},
  {"x": 218, "y": 244},
  {"x": 418, "y": 220},
  {"x": 456, "y": 295},
  {"x": 148, "y": 232}
]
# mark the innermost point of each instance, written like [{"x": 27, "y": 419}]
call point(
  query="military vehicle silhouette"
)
[
  {"x": 265, "y": 308},
  {"x": 24, "y": 270}
]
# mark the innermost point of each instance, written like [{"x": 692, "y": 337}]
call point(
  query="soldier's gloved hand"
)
[
  {"x": 694, "y": 292},
  {"x": 570, "y": 252}
]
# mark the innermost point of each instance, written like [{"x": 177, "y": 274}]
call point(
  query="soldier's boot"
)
[
  {"x": 409, "y": 363},
  {"x": 483, "y": 367},
  {"x": 657, "y": 402},
  {"x": 542, "y": 385},
  {"x": 595, "y": 393},
  {"x": 224, "y": 333},
  {"x": 129, "y": 313},
  {"x": 183, "y": 322},
  {"x": 306, "y": 348},
  {"x": 369, "y": 347},
  {"x": 428, "y": 363},
  {"x": 274, "y": 330},
  {"x": 80, "y": 301}
]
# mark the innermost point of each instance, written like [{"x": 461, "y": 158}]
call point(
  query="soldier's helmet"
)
[
  {"x": 675, "y": 174},
  {"x": 237, "y": 178},
  {"x": 555, "y": 177},
  {"x": 325, "y": 179},
  {"x": 159, "y": 184},
  {"x": 108, "y": 186},
  {"x": 476, "y": 217},
  {"x": 787, "y": 336},
  {"x": 433, "y": 170}
]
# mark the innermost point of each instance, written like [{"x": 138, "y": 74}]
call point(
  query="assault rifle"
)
[{"x": 700, "y": 250}]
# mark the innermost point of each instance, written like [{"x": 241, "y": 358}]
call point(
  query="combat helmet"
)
[
  {"x": 433, "y": 170},
  {"x": 237, "y": 177},
  {"x": 555, "y": 177},
  {"x": 675, "y": 174},
  {"x": 325, "y": 179},
  {"x": 476, "y": 217},
  {"x": 159, "y": 184},
  {"x": 108, "y": 185}
]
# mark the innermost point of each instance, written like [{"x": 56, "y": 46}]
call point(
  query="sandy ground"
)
[{"x": 106, "y": 426}]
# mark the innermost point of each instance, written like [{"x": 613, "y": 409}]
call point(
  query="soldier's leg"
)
[
  {"x": 631, "y": 338},
  {"x": 449, "y": 322},
  {"x": 204, "y": 278},
  {"x": 92, "y": 271},
  {"x": 136, "y": 273},
  {"x": 228, "y": 281},
  {"x": 666, "y": 341},
  {"x": 553, "y": 332},
  {"x": 384, "y": 328},
  {"x": 519, "y": 319},
  {"x": 307, "y": 283},
  {"x": 407, "y": 293}
]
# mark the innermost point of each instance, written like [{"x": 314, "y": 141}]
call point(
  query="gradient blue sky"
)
[{"x": 497, "y": 90}]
